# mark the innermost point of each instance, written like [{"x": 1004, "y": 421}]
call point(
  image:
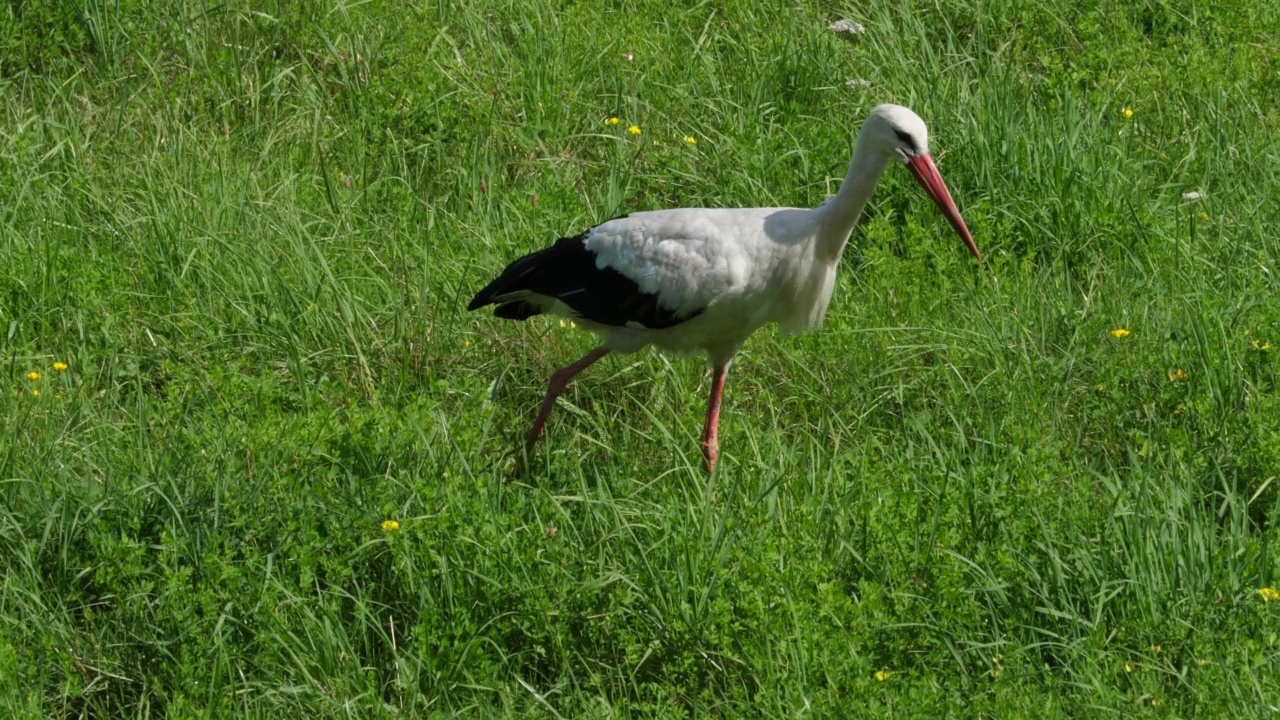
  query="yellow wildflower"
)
[
  {"x": 1120, "y": 333},
  {"x": 34, "y": 375},
  {"x": 1204, "y": 216},
  {"x": 611, "y": 121},
  {"x": 1155, "y": 701},
  {"x": 60, "y": 366},
  {"x": 1177, "y": 374},
  {"x": 390, "y": 525},
  {"x": 1268, "y": 594},
  {"x": 1127, "y": 113},
  {"x": 35, "y": 393},
  {"x": 691, "y": 140},
  {"x": 1129, "y": 667},
  {"x": 466, "y": 343},
  {"x": 882, "y": 675},
  {"x": 1259, "y": 345},
  {"x": 634, "y": 129},
  {"x": 1201, "y": 661}
]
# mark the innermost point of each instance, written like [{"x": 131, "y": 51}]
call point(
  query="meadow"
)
[{"x": 256, "y": 458}]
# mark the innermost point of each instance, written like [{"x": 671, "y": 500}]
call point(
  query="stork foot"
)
[
  {"x": 710, "y": 453},
  {"x": 559, "y": 381},
  {"x": 711, "y": 429}
]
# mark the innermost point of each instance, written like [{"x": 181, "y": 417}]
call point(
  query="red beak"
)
[{"x": 926, "y": 173}]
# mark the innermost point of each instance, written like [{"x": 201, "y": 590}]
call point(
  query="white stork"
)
[{"x": 702, "y": 280}]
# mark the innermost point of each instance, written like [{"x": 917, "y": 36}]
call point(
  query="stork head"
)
[{"x": 901, "y": 134}]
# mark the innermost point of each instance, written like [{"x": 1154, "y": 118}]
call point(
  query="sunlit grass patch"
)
[{"x": 266, "y": 470}]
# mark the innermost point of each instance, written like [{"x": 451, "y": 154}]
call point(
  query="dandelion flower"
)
[
  {"x": 1268, "y": 594},
  {"x": 1177, "y": 374},
  {"x": 35, "y": 393},
  {"x": 1127, "y": 113},
  {"x": 882, "y": 675},
  {"x": 611, "y": 121},
  {"x": 390, "y": 525},
  {"x": 690, "y": 140},
  {"x": 60, "y": 366},
  {"x": 634, "y": 130},
  {"x": 34, "y": 375},
  {"x": 1120, "y": 333}
]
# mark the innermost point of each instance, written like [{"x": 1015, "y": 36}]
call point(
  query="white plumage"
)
[
  {"x": 717, "y": 262},
  {"x": 703, "y": 279}
]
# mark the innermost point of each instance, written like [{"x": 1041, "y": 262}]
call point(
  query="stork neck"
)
[{"x": 840, "y": 213}]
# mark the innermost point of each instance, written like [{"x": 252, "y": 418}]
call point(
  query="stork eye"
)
[{"x": 906, "y": 139}]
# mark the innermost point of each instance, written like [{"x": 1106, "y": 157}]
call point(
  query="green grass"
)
[{"x": 250, "y": 230}]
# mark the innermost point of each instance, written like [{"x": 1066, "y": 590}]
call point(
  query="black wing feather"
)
[{"x": 567, "y": 271}]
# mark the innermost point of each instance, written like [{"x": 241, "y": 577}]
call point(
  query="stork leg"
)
[
  {"x": 559, "y": 381},
  {"x": 711, "y": 430}
]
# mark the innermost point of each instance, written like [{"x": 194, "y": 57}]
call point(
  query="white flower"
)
[
  {"x": 857, "y": 83},
  {"x": 846, "y": 27},
  {"x": 1192, "y": 196}
]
